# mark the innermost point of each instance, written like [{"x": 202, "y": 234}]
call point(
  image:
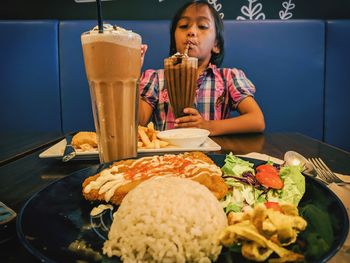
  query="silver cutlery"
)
[
  {"x": 295, "y": 158},
  {"x": 324, "y": 172},
  {"x": 69, "y": 151}
]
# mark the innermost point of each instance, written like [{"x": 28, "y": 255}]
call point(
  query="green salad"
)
[
  {"x": 249, "y": 185},
  {"x": 246, "y": 191}
]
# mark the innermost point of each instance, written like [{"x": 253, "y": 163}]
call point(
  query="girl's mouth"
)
[
  {"x": 191, "y": 43},
  {"x": 191, "y": 46}
]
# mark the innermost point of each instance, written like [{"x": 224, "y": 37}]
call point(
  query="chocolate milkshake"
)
[
  {"x": 181, "y": 81},
  {"x": 113, "y": 64}
]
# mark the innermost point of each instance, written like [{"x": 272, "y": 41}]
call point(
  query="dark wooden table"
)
[
  {"x": 23, "y": 176},
  {"x": 15, "y": 145}
]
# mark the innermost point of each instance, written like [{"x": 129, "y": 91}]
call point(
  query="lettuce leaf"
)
[
  {"x": 294, "y": 184},
  {"x": 236, "y": 166}
]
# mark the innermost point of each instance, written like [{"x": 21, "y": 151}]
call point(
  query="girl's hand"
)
[
  {"x": 144, "y": 48},
  {"x": 193, "y": 119}
]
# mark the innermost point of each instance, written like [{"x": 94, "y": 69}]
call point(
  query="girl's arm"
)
[
  {"x": 145, "y": 112},
  {"x": 251, "y": 119}
]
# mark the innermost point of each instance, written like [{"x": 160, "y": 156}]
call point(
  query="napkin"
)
[
  {"x": 263, "y": 157},
  {"x": 345, "y": 178},
  {"x": 343, "y": 192}
]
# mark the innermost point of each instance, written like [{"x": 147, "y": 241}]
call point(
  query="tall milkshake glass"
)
[
  {"x": 113, "y": 65},
  {"x": 181, "y": 81}
]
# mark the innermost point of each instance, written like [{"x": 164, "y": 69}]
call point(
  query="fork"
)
[{"x": 324, "y": 172}]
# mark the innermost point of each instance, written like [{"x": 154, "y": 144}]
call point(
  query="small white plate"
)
[{"x": 56, "y": 151}]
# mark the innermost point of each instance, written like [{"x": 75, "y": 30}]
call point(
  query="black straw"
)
[{"x": 99, "y": 16}]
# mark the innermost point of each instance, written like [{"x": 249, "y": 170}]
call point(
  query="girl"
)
[{"x": 219, "y": 90}]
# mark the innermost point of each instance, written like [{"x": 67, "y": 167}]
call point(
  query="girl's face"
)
[{"x": 197, "y": 27}]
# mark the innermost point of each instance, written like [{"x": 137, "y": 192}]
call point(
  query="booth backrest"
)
[
  {"x": 300, "y": 69},
  {"x": 29, "y": 76},
  {"x": 337, "y": 88},
  {"x": 285, "y": 61}
]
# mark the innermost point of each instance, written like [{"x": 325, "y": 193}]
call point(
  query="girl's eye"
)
[
  {"x": 203, "y": 27},
  {"x": 183, "y": 26}
]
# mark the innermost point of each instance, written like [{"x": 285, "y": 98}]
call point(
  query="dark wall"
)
[{"x": 164, "y": 9}]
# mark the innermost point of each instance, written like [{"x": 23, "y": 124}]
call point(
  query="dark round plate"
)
[{"x": 58, "y": 215}]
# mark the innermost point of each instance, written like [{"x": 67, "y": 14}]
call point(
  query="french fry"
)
[
  {"x": 142, "y": 128},
  {"x": 150, "y": 145},
  {"x": 150, "y": 126},
  {"x": 144, "y": 137},
  {"x": 154, "y": 136},
  {"x": 163, "y": 144},
  {"x": 156, "y": 144},
  {"x": 147, "y": 138}
]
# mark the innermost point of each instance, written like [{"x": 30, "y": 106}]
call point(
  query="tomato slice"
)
[
  {"x": 266, "y": 168},
  {"x": 269, "y": 179},
  {"x": 273, "y": 205}
]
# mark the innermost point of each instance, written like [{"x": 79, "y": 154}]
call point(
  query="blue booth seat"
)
[
  {"x": 29, "y": 93},
  {"x": 285, "y": 61},
  {"x": 76, "y": 105},
  {"x": 337, "y": 88}
]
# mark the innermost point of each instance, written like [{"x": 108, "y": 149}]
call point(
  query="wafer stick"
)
[{"x": 187, "y": 48}]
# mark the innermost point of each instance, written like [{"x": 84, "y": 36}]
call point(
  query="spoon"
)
[{"x": 293, "y": 158}]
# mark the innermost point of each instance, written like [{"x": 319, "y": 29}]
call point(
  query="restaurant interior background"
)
[
  {"x": 324, "y": 122},
  {"x": 164, "y": 9},
  {"x": 47, "y": 73}
]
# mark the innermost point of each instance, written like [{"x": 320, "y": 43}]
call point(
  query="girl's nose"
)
[{"x": 191, "y": 31}]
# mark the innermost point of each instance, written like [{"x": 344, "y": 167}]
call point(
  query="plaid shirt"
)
[{"x": 219, "y": 91}]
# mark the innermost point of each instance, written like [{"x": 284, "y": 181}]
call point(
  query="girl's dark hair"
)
[{"x": 215, "y": 59}]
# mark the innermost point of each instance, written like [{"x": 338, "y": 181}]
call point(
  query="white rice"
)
[{"x": 167, "y": 219}]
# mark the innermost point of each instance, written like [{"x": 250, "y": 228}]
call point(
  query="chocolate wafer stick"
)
[{"x": 186, "y": 49}]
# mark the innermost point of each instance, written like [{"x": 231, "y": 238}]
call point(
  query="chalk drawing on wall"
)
[
  {"x": 252, "y": 11},
  {"x": 285, "y": 14},
  {"x": 217, "y": 7},
  {"x": 214, "y": 3}
]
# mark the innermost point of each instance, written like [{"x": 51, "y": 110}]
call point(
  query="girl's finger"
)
[
  {"x": 191, "y": 111},
  {"x": 186, "y": 119},
  {"x": 182, "y": 119}
]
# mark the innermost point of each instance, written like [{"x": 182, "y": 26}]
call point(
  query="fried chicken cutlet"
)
[
  {"x": 85, "y": 141},
  {"x": 113, "y": 183}
]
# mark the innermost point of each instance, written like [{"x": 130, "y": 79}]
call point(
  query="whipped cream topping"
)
[
  {"x": 108, "y": 29},
  {"x": 179, "y": 55},
  {"x": 179, "y": 165},
  {"x": 113, "y": 34}
]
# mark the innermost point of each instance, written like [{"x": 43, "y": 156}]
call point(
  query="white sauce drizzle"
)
[
  {"x": 99, "y": 209},
  {"x": 110, "y": 179}
]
